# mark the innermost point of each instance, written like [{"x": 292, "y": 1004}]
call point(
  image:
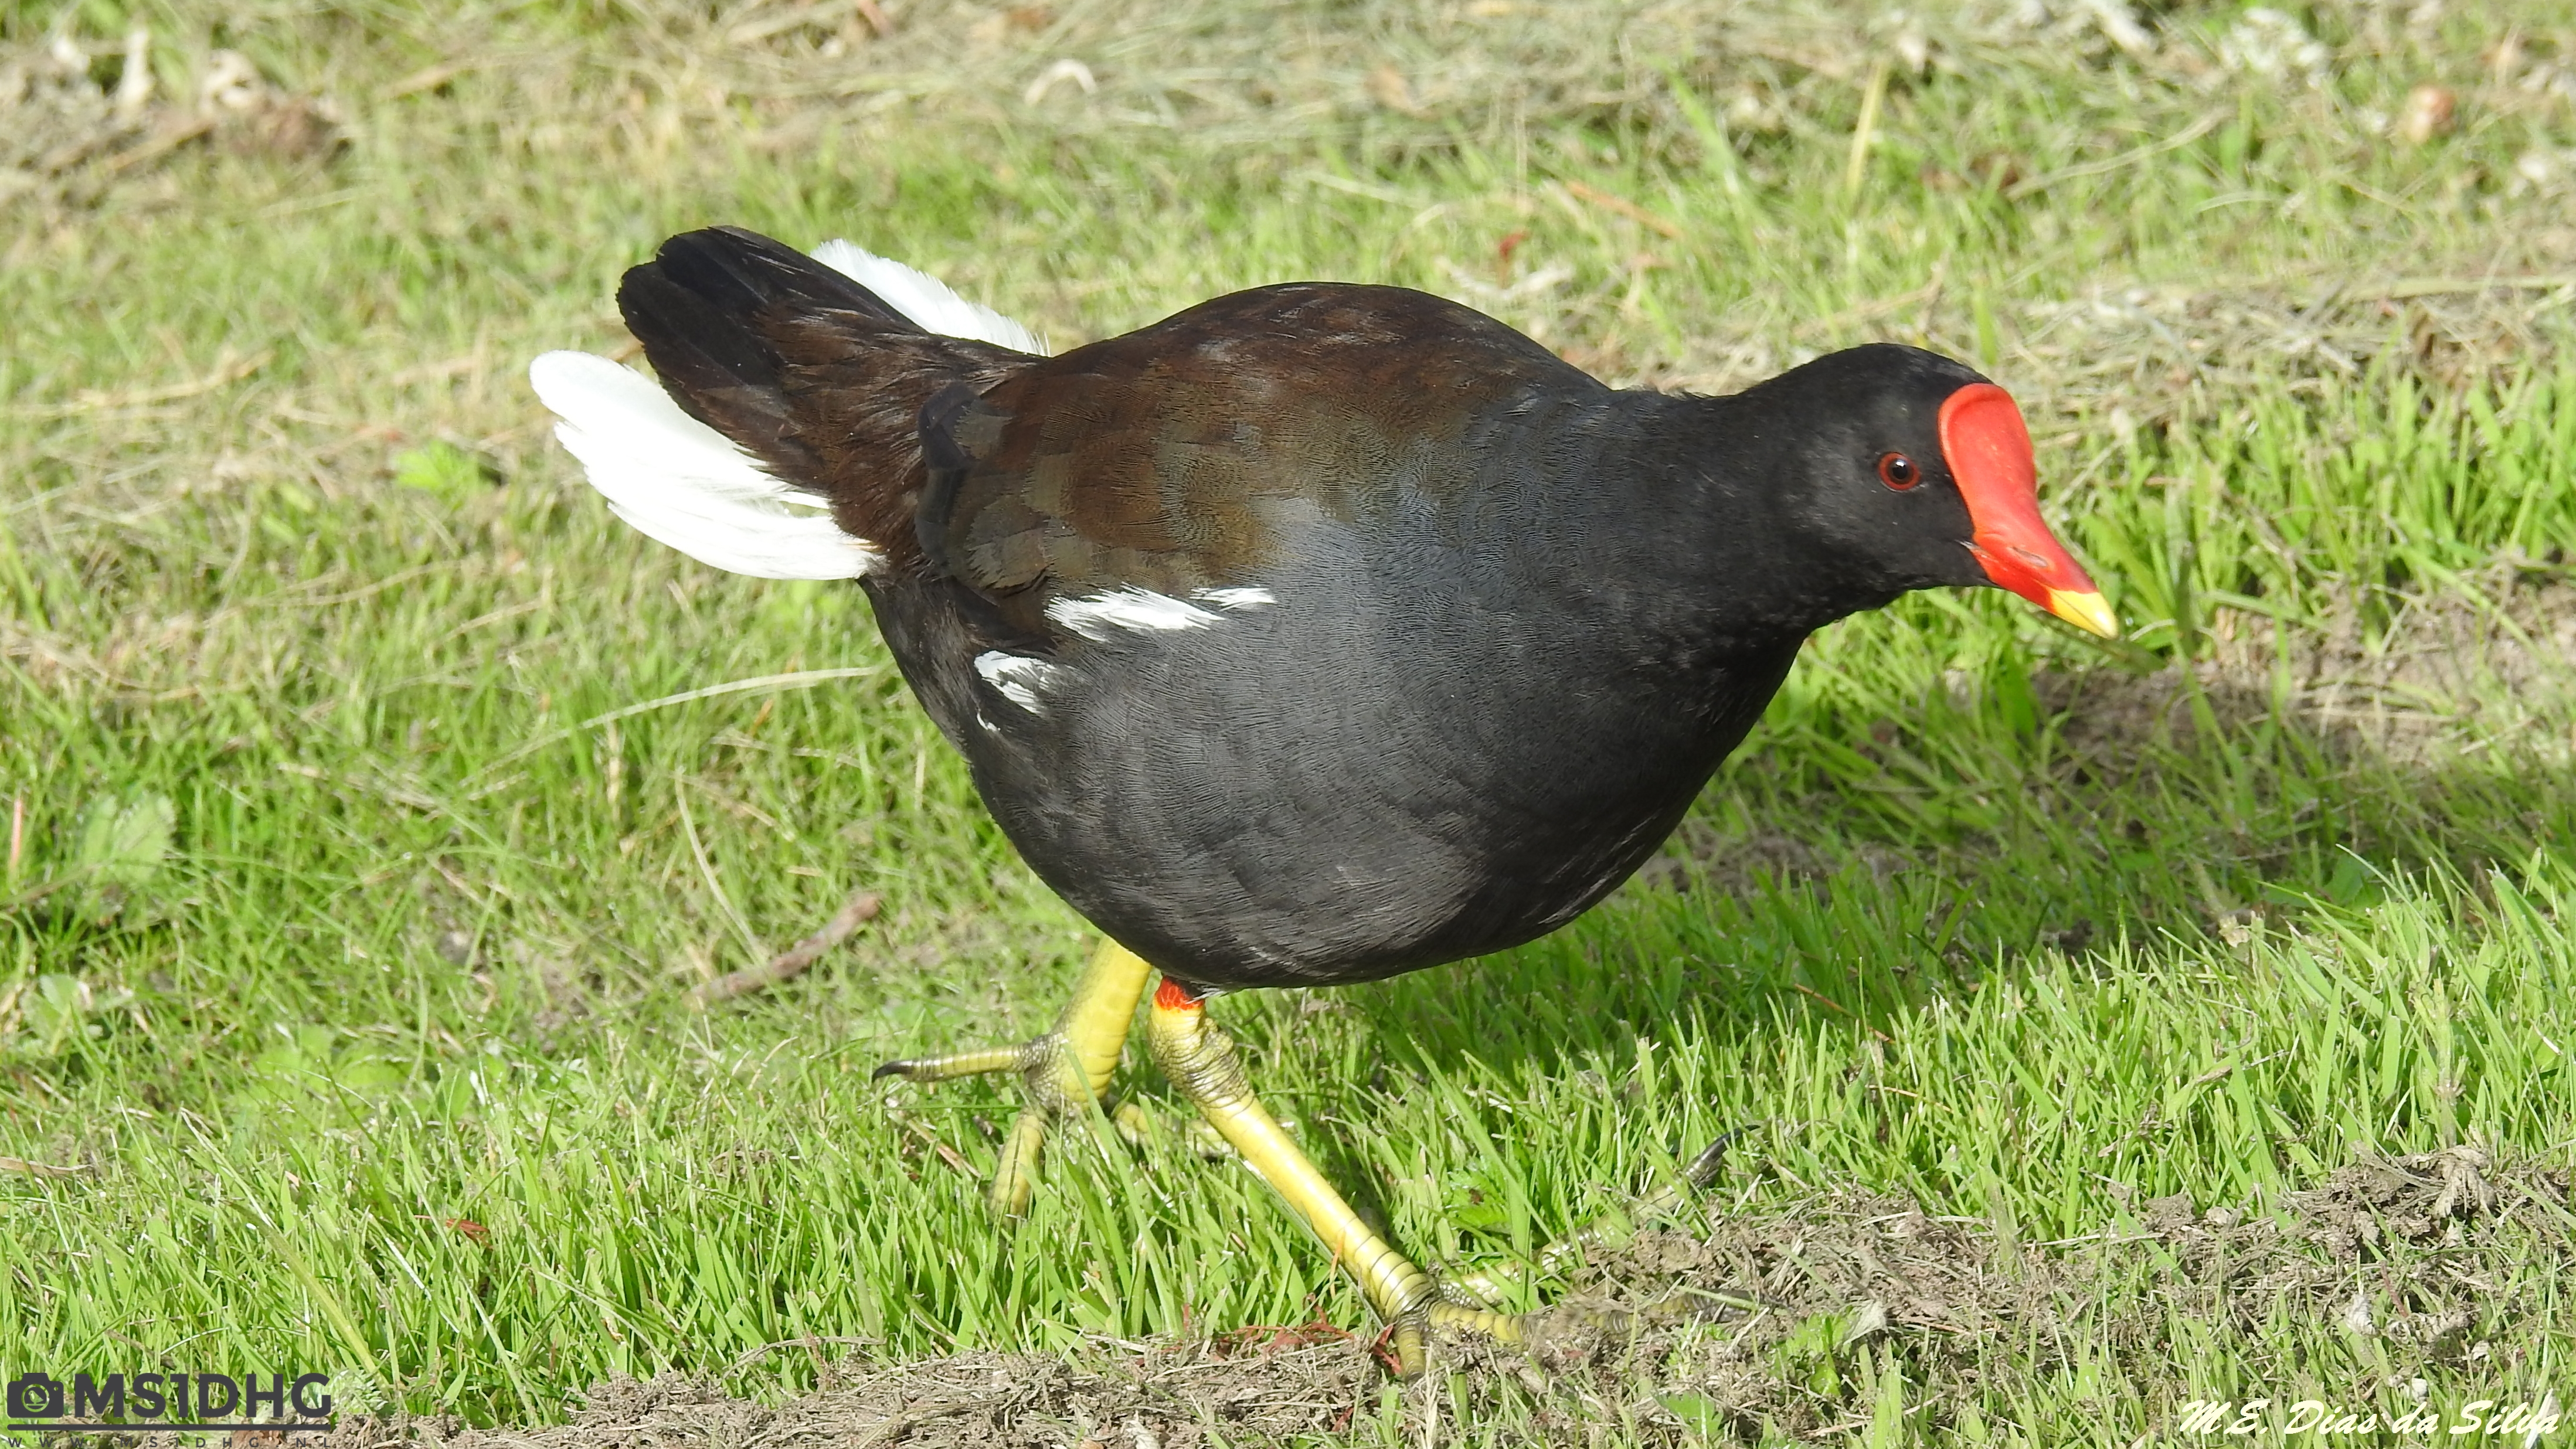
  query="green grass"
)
[{"x": 283, "y": 543}]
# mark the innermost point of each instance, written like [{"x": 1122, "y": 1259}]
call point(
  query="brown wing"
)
[{"x": 1182, "y": 456}]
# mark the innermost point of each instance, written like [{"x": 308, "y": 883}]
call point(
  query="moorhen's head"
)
[{"x": 1911, "y": 471}]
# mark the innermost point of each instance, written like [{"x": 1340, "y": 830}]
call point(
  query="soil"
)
[
  {"x": 1755, "y": 1323},
  {"x": 2439, "y": 669}
]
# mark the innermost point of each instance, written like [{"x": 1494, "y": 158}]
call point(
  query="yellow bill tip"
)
[{"x": 2085, "y": 611}]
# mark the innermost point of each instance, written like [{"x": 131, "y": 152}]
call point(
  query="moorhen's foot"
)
[
  {"x": 1062, "y": 1073},
  {"x": 1200, "y": 1060}
]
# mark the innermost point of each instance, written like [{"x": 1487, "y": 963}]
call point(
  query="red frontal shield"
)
[{"x": 1988, "y": 449}]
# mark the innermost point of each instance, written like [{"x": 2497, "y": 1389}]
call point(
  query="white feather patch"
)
[
  {"x": 926, "y": 299},
  {"x": 682, "y": 482},
  {"x": 1093, "y": 616},
  {"x": 1241, "y": 597},
  {"x": 1018, "y": 677}
]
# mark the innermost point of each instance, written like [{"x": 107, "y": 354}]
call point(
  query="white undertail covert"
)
[{"x": 684, "y": 484}]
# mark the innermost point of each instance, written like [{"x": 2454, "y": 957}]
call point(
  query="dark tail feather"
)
[
  {"x": 707, "y": 309},
  {"x": 739, "y": 275},
  {"x": 813, "y": 374}
]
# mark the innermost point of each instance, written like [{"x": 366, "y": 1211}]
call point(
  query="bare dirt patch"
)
[
  {"x": 2430, "y": 671},
  {"x": 1737, "y": 1325}
]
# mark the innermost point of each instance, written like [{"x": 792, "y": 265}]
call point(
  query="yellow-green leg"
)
[
  {"x": 1064, "y": 1072},
  {"x": 1200, "y": 1060}
]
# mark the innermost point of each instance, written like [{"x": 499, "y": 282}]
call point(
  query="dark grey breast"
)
[{"x": 1288, "y": 643}]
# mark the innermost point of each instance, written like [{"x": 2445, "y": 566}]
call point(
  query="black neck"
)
[{"x": 1721, "y": 575}]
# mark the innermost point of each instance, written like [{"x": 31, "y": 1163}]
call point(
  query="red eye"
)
[{"x": 1897, "y": 471}]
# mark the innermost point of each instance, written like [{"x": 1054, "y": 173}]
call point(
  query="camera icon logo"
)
[{"x": 35, "y": 1396}]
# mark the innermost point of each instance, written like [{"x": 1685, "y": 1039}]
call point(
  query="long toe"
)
[
  {"x": 1063, "y": 1074},
  {"x": 953, "y": 1065}
]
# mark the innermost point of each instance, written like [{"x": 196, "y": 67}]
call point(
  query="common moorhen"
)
[{"x": 1318, "y": 633}]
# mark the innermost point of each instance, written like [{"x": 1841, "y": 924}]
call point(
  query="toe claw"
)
[{"x": 1700, "y": 1171}]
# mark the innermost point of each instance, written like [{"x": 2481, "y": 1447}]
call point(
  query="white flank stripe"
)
[
  {"x": 926, "y": 299},
  {"x": 1127, "y": 608},
  {"x": 1018, "y": 677},
  {"x": 680, "y": 481},
  {"x": 1140, "y": 608},
  {"x": 1237, "y": 599}
]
